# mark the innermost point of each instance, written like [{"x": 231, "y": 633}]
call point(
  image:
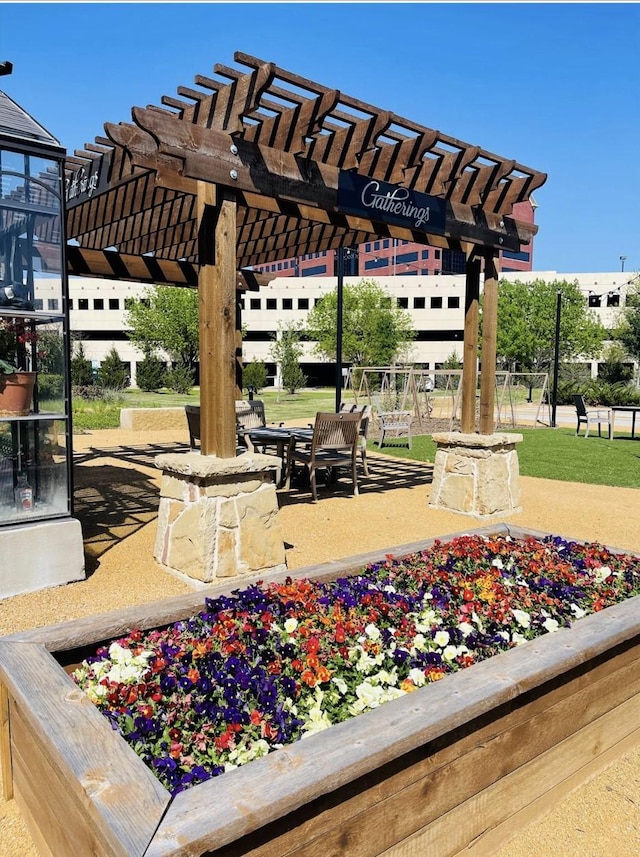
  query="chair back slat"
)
[
  {"x": 336, "y": 431},
  {"x": 580, "y": 404},
  {"x": 251, "y": 414}
]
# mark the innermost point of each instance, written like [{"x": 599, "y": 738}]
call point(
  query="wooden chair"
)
[
  {"x": 249, "y": 415},
  {"x": 591, "y": 415},
  {"x": 365, "y": 410},
  {"x": 193, "y": 421},
  {"x": 334, "y": 444}
]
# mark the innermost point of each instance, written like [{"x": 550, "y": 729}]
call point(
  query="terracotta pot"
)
[{"x": 16, "y": 392}]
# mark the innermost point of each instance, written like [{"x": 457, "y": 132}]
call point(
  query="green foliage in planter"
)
[
  {"x": 151, "y": 374},
  {"x": 598, "y": 392}
]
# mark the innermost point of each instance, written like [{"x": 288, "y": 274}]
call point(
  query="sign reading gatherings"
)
[
  {"x": 86, "y": 181},
  {"x": 390, "y": 203}
]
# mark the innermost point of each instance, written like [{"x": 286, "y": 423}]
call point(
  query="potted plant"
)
[{"x": 16, "y": 381}]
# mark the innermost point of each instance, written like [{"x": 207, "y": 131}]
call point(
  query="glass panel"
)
[{"x": 33, "y": 470}]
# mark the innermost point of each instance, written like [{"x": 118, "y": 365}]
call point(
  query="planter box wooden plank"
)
[
  {"x": 65, "y": 751},
  {"x": 450, "y": 769}
]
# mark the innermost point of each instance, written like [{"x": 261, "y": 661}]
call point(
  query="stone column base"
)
[
  {"x": 218, "y": 516},
  {"x": 476, "y": 474}
]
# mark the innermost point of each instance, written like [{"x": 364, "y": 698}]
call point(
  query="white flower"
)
[
  {"x": 450, "y": 653},
  {"x": 372, "y": 631},
  {"x": 290, "y": 625},
  {"x": 420, "y": 642},
  {"x": 578, "y": 612},
  {"x": 518, "y": 639},
  {"x": 371, "y": 695},
  {"x": 497, "y": 563},
  {"x": 465, "y": 628},
  {"x": 522, "y": 618},
  {"x": 551, "y": 625},
  {"x": 418, "y": 677},
  {"x": 316, "y": 720},
  {"x": 601, "y": 573},
  {"x": 441, "y": 638},
  {"x": 340, "y": 684}
]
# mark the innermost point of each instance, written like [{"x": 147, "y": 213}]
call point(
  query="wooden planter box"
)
[{"x": 458, "y": 766}]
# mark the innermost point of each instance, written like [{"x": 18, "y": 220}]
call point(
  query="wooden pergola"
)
[{"x": 258, "y": 165}]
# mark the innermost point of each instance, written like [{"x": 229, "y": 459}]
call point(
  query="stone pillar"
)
[
  {"x": 218, "y": 516},
  {"x": 476, "y": 474}
]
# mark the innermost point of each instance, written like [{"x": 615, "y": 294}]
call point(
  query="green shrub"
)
[
  {"x": 179, "y": 379},
  {"x": 50, "y": 386},
  {"x": 81, "y": 371},
  {"x": 151, "y": 374},
  {"x": 254, "y": 375},
  {"x": 113, "y": 374}
]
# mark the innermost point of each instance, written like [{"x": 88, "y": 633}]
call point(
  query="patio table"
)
[
  {"x": 282, "y": 438},
  {"x": 632, "y": 409}
]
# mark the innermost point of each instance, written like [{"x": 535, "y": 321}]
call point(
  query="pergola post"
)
[
  {"x": 217, "y": 303},
  {"x": 470, "y": 349},
  {"x": 489, "y": 334}
]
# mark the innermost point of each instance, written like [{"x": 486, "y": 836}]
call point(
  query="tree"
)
[
  {"x": 151, "y": 373},
  {"x": 112, "y": 375},
  {"x": 374, "y": 330},
  {"x": 166, "y": 318},
  {"x": 81, "y": 371},
  {"x": 286, "y": 351},
  {"x": 254, "y": 375},
  {"x": 527, "y": 322},
  {"x": 629, "y": 331}
]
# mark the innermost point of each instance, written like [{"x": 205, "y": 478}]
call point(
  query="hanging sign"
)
[
  {"x": 87, "y": 181},
  {"x": 390, "y": 203}
]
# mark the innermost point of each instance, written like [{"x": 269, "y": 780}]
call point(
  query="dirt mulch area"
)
[{"x": 117, "y": 501}]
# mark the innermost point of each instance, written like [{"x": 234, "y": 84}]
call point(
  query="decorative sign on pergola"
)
[{"x": 258, "y": 165}]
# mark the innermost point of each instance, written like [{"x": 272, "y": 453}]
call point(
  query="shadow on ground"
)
[
  {"x": 114, "y": 501},
  {"x": 116, "y": 493}
]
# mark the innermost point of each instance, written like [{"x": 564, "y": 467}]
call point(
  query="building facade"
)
[
  {"x": 436, "y": 305},
  {"x": 390, "y": 257}
]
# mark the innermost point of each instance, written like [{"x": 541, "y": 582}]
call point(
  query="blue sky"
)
[{"x": 556, "y": 86}]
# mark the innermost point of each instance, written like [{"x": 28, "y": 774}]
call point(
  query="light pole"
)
[
  {"x": 556, "y": 360},
  {"x": 622, "y": 261}
]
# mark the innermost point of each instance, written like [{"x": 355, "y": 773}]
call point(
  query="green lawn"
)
[
  {"x": 546, "y": 453},
  {"x": 557, "y": 454}
]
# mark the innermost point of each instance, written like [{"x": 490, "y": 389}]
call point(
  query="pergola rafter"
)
[{"x": 281, "y": 150}]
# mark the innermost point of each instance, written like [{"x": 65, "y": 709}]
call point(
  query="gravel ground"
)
[{"x": 601, "y": 817}]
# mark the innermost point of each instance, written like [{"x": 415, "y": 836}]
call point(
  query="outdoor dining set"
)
[{"x": 333, "y": 441}]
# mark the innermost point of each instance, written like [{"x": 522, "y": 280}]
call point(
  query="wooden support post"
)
[
  {"x": 217, "y": 294},
  {"x": 470, "y": 350},
  {"x": 489, "y": 333}
]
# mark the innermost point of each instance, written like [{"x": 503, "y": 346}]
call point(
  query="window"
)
[
  {"x": 385, "y": 244},
  {"x": 303, "y": 303},
  {"x": 453, "y": 302},
  {"x": 520, "y": 257},
  {"x": 287, "y": 303},
  {"x": 83, "y": 303},
  {"x": 613, "y": 299},
  {"x": 403, "y": 303},
  {"x": 436, "y": 254},
  {"x": 255, "y": 303},
  {"x": 316, "y": 271},
  {"x": 424, "y": 254},
  {"x": 419, "y": 303},
  {"x": 376, "y": 245},
  {"x": 279, "y": 266},
  {"x": 272, "y": 303},
  {"x": 52, "y": 304},
  {"x": 128, "y": 303},
  {"x": 37, "y": 304},
  {"x": 316, "y": 301},
  {"x": 98, "y": 303},
  {"x": 436, "y": 302},
  {"x": 594, "y": 300},
  {"x": 114, "y": 303}
]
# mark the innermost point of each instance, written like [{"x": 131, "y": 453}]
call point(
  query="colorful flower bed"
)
[{"x": 270, "y": 664}]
